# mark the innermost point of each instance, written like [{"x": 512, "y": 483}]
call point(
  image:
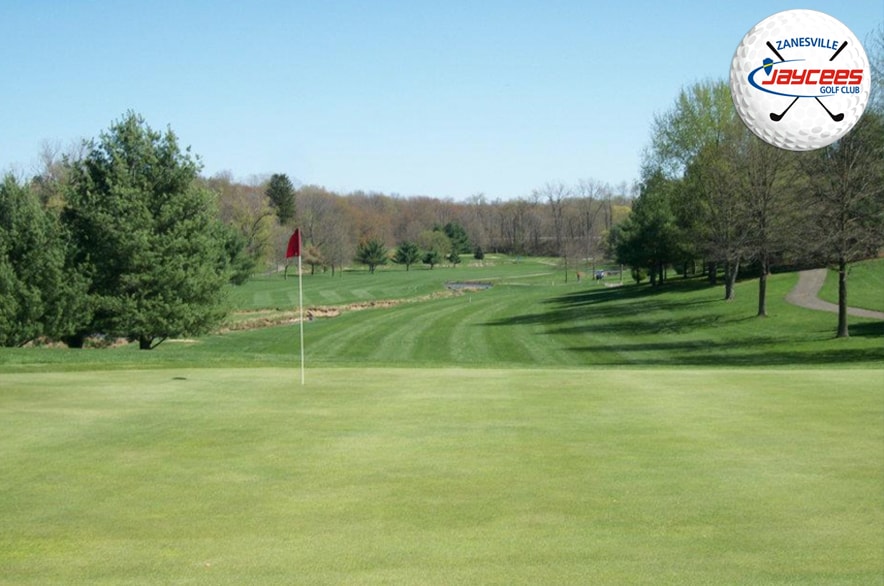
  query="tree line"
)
[
  {"x": 124, "y": 238},
  {"x": 338, "y": 227},
  {"x": 715, "y": 194}
]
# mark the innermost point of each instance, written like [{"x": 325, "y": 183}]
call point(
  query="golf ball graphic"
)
[{"x": 800, "y": 80}]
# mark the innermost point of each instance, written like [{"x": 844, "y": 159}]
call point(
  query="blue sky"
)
[{"x": 447, "y": 99}]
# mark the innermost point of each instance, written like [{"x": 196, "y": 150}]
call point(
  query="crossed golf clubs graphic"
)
[{"x": 835, "y": 117}]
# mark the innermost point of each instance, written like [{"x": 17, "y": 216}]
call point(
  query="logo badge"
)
[{"x": 800, "y": 80}]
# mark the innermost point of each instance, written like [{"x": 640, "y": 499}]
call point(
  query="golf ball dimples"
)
[{"x": 790, "y": 114}]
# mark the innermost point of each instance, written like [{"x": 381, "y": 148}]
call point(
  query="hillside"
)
[{"x": 529, "y": 317}]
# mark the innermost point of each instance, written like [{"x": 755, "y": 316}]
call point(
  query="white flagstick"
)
[{"x": 301, "y": 315}]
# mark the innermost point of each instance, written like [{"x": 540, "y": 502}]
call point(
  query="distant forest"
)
[{"x": 333, "y": 224}]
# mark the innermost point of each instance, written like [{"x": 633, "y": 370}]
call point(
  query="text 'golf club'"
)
[{"x": 768, "y": 66}]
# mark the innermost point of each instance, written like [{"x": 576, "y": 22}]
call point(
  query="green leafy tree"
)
[
  {"x": 875, "y": 48},
  {"x": 638, "y": 275},
  {"x": 281, "y": 193},
  {"x": 147, "y": 235},
  {"x": 236, "y": 248},
  {"x": 432, "y": 258},
  {"x": 37, "y": 297},
  {"x": 372, "y": 252},
  {"x": 435, "y": 244},
  {"x": 721, "y": 208},
  {"x": 453, "y": 257},
  {"x": 696, "y": 141},
  {"x": 407, "y": 253}
]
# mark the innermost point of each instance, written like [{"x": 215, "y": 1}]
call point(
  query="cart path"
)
[{"x": 805, "y": 294}]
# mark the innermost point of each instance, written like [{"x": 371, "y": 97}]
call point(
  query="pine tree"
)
[
  {"x": 372, "y": 253},
  {"x": 147, "y": 235},
  {"x": 37, "y": 297},
  {"x": 407, "y": 254},
  {"x": 281, "y": 193},
  {"x": 458, "y": 236}
]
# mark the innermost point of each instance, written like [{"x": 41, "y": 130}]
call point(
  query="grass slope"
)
[
  {"x": 390, "y": 282},
  {"x": 865, "y": 285},
  {"x": 537, "y": 321},
  {"x": 531, "y": 317},
  {"x": 410, "y": 476}
]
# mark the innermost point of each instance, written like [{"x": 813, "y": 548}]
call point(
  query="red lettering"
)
[
  {"x": 784, "y": 76},
  {"x": 815, "y": 77}
]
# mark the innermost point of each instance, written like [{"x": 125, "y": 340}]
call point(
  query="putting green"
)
[{"x": 440, "y": 476}]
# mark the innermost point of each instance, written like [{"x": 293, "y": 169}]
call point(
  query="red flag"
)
[{"x": 294, "y": 248}]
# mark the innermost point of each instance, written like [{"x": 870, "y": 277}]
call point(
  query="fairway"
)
[
  {"x": 542, "y": 431},
  {"x": 442, "y": 476}
]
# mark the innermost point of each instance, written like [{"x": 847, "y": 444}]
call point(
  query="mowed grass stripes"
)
[
  {"x": 558, "y": 324},
  {"x": 442, "y": 476},
  {"x": 452, "y": 331},
  {"x": 530, "y": 317}
]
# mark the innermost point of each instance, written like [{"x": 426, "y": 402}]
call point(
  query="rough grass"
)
[{"x": 442, "y": 476}]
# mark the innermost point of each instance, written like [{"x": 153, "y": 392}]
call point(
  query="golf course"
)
[{"x": 495, "y": 423}]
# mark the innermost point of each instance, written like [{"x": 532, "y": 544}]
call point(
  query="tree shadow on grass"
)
[
  {"x": 633, "y": 312},
  {"x": 757, "y": 352},
  {"x": 632, "y": 326},
  {"x": 868, "y": 329},
  {"x": 610, "y": 304},
  {"x": 629, "y": 292},
  {"x": 625, "y": 302}
]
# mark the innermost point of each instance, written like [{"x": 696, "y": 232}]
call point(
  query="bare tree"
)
[
  {"x": 247, "y": 209},
  {"x": 476, "y": 220},
  {"x": 767, "y": 176},
  {"x": 339, "y": 243},
  {"x": 593, "y": 199},
  {"x": 52, "y": 172},
  {"x": 556, "y": 196}
]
